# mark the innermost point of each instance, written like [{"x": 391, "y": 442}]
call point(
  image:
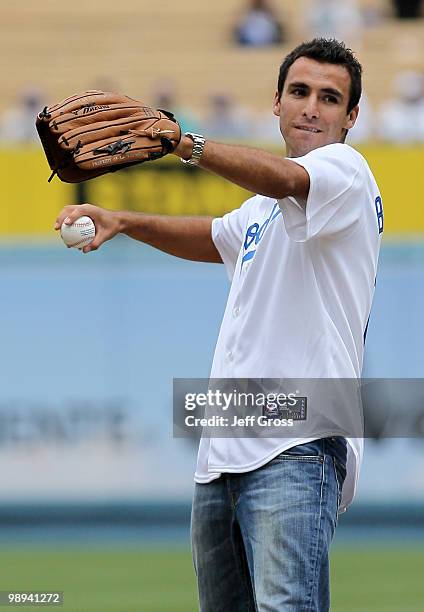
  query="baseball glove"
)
[{"x": 96, "y": 132}]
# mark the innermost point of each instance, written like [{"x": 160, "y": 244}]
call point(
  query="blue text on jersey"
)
[
  {"x": 379, "y": 211},
  {"x": 255, "y": 233}
]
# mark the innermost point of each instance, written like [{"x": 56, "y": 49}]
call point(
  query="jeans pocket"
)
[
  {"x": 306, "y": 458},
  {"x": 308, "y": 450},
  {"x": 340, "y": 474}
]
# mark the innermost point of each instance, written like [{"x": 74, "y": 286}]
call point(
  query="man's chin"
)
[
  {"x": 304, "y": 146},
  {"x": 301, "y": 150}
]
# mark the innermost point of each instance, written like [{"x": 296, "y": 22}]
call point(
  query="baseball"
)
[{"x": 79, "y": 234}]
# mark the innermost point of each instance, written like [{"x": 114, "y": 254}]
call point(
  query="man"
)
[{"x": 302, "y": 257}]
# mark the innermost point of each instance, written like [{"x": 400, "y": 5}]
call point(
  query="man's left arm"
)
[{"x": 256, "y": 170}]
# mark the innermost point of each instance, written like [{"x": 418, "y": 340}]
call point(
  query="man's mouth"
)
[{"x": 307, "y": 128}]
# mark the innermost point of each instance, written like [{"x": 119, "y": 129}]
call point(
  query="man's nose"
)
[{"x": 311, "y": 109}]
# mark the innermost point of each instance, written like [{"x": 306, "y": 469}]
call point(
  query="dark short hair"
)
[{"x": 327, "y": 51}]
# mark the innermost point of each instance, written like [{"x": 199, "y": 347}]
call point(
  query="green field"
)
[{"x": 363, "y": 580}]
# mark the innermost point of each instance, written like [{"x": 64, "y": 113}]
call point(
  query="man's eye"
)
[
  {"x": 298, "y": 92},
  {"x": 331, "y": 99}
]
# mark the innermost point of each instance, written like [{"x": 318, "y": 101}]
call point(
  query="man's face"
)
[{"x": 313, "y": 106}]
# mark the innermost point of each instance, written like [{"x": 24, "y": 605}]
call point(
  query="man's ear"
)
[
  {"x": 277, "y": 104},
  {"x": 352, "y": 117}
]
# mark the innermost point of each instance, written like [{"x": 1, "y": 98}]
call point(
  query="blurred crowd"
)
[
  {"x": 260, "y": 25},
  {"x": 398, "y": 119}
]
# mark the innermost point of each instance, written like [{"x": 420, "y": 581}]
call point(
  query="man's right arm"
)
[{"x": 186, "y": 237}]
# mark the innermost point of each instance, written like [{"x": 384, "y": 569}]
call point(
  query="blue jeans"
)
[{"x": 261, "y": 539}]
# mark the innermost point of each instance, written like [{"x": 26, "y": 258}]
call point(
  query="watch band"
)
[{"x": 199, "y": 143}]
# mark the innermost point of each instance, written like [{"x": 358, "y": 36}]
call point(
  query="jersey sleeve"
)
[
  {"x": 228, "y": 234},
  {"x": 336, "y": 174}
]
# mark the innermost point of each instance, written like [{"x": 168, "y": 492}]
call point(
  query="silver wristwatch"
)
[{"x": 199, "y": 143}]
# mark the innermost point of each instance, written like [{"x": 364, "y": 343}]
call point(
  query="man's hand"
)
[
  {"x": 185, "y": 237},
  {"x": 107, "y": 222}
]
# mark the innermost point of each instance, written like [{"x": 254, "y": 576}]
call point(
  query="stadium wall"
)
[{"x": 169, "y": 188}]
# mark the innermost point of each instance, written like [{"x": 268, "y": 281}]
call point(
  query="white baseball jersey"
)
[{"x": 302, "y": 283}]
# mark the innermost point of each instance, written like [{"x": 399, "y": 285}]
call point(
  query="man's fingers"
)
[
  {"x": 69, "y": 214},
  {"x": 103, "y": 220},
  {"x": 90, "y": 247},
  {"x": 98, "y": 240}
]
